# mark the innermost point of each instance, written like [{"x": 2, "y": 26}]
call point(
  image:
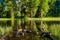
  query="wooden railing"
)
[{"x": 35, "y": 19}]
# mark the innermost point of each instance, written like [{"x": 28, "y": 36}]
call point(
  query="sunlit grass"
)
[
  {"x": 55, "y": 30},
  {"x": 5, "y": 30}
]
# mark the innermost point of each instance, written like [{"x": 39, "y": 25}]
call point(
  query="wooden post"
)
[
  {"x": 41, "y": 11},
  {"x": 12, "y": 17}
]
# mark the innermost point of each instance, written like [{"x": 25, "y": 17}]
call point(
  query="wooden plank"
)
[
  {"x": 35, "y": 19},
  {"x": 45, "y": 19},
  {"x": 2, "y": 19}
]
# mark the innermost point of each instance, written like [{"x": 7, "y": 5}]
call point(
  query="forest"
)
[{"x": 32, "y": 19}]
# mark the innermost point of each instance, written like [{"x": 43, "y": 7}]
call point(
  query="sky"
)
[{"x": 1, "y": 1}]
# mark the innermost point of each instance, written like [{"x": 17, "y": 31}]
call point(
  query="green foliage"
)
[
  {"x": 30, "y": 8},
  {"x": 44, "y": 5},
  {"x": 54, "y": 10}
]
